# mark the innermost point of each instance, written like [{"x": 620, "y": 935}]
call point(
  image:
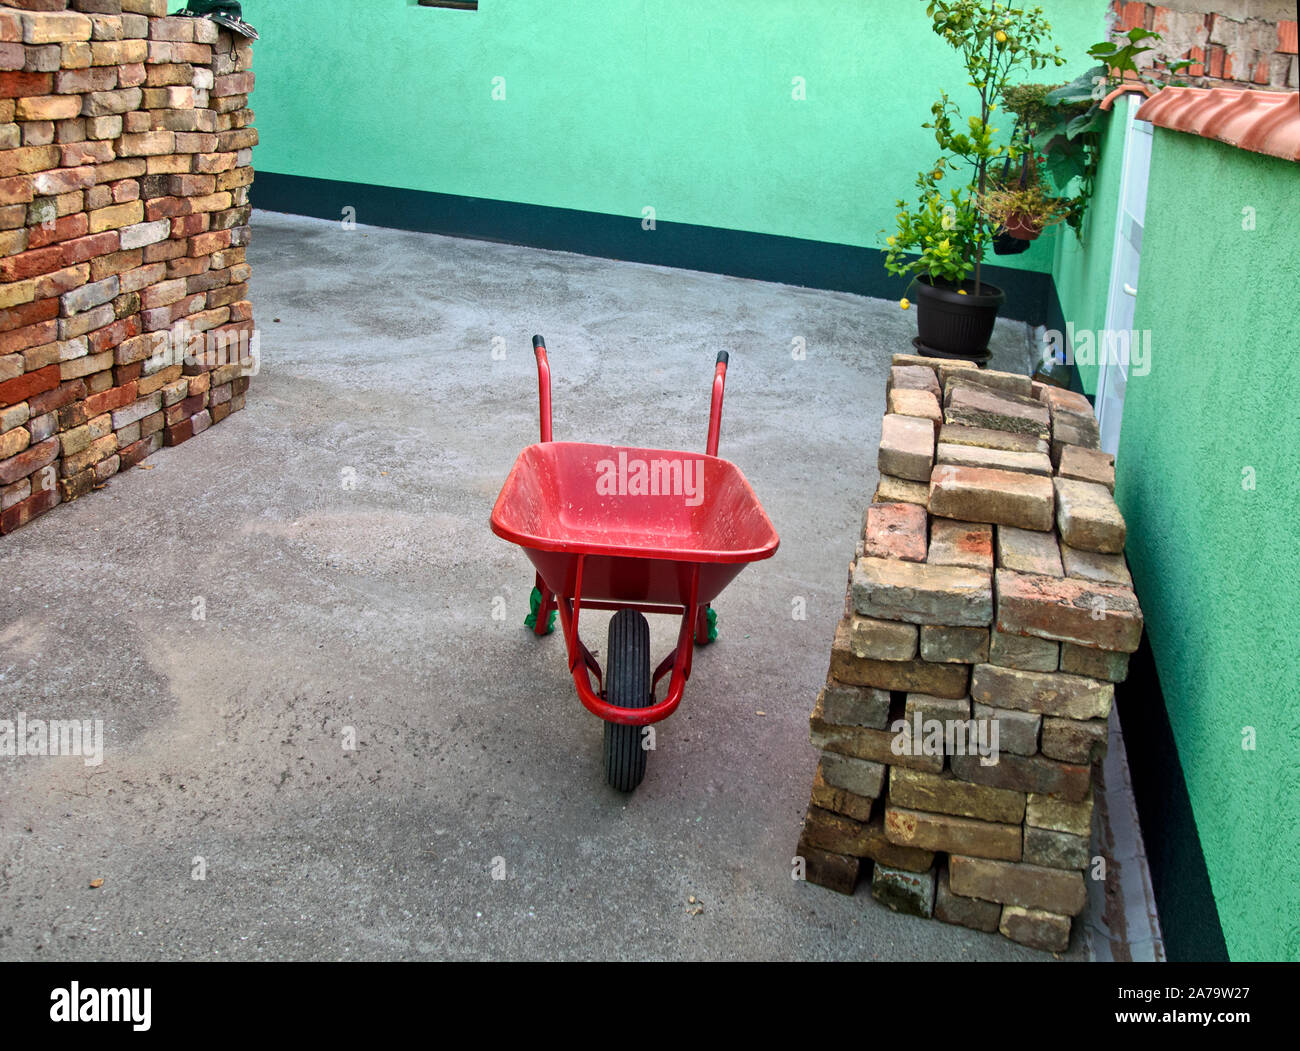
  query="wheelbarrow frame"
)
[{"x": 694, "y": 614}]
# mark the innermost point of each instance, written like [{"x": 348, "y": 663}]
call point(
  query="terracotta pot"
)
[{"x": 1022, "y": 227}]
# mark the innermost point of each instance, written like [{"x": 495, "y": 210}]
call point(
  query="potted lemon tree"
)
[{"x": 942, "y": 238}]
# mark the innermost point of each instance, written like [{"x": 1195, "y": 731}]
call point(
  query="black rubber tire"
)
[{"x": 627, "y": 685}]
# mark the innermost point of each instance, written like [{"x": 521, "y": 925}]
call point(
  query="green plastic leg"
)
[
  {"x": 534, "y": 604},
  {"x": 706, "y": 626}
]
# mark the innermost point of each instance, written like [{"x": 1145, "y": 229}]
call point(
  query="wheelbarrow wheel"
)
[{"x": 627, "y": 685}]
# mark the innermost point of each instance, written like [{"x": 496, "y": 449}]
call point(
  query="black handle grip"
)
[
  {"x": 539, "y": 342},
  {"x": 722, "y": 357}
]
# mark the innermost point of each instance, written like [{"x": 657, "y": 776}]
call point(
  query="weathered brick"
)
[
  {"x": 48, "y": 107},
  {"x": 1102, "y": 616},
  {"x": 882, "y": 640},
  {"x": 893, "y": 530},
  {"x": 914, "y": 377},
  {"x": 1017, "y": 883},
  {"x": 945, "y": 794},
  {"x": 840, "y": 800},
  {"x": 965, "y": 912},
  {"x": 1026, "y": 773},
  {"x": 87, "y": 297},
  {"x": 1087, "y": 465},
  {"x": 859, "y": 776},
  {"x": 1099, "y": 664},
  {"x": 842, "y": 704},
  {"x": 900, "y": 401},
  {"x": 860, "y": 742},
  {"x": 1096, "y": 566},
  {"x": 24, "y": 387},
  {"x": 968, "y": 544},
  {"x": 837, "y": 872},
  {"x": 1087, "y": 517},
  {"x": 1074, "y": 741},
  {"x": 996, "y": 459},
  {"x": 136, "y": 411},
  {"x": 40, "y": 27},
  {"x": 1035, "y": 928},
  {"x": 921, "y": 593},
  {"x": 23, "y": 512},
  {"x": 1028, "y": 551},
  {"x": 1017, "y": 730},
  {"x": 928, "y": 706},
  {"x": 1047, "y": 693},
  {"x": 1061, "y": 815},
  {"x": 976, "y": 494},
  {"x": 902, "y": 891},
  {"x": 954, "y": 645},
  {"x": 973, "y": 405},
  {"x": 950, "y": 833},
  {"x": 892, "y": 490},
  {"x": 29, "y": 461},
  {"x": 906, "y": 447}
]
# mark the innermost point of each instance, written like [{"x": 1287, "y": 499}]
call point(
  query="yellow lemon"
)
[
  {"x": 938, "y": 174},
  {"x": 904, "y": 303},
  {"x": 961, "y": 291},
  {"x": 889, "y": 240},
  {"x": 1001, "y": 37}
]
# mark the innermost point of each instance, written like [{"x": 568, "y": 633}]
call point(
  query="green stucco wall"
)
[
  {"x": 609, "y": 107},
  {"x": 1081, "y": 267},
  {"x": 1217, "y": 564}
]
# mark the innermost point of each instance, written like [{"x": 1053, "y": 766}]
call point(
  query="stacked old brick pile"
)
[
  {"x": 125, "y": 168},
  {"x": 988, "y": 593}
]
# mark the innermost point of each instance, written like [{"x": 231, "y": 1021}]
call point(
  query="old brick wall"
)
[
  {"x": 988, "y": 594},
  {"x": 125, "y": 168},
  {"x": 1232, "y": 43}
]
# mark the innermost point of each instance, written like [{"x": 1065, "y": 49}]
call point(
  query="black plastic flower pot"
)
[
  {"x": 1005, "y": 244},
  {"x": 953, "y": 323}
]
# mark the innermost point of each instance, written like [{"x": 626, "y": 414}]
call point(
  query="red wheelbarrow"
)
[{"x": 635, "y": 531}]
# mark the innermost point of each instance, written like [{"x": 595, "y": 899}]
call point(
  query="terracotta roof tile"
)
[{"x": 1260, "y": 121}]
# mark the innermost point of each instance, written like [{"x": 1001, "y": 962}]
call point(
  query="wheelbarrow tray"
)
[{"x": 641, "y": 519}]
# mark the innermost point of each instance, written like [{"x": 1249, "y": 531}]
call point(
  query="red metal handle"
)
[
  {"x": 543, "y": 385},
  {"x": 715, "y": 409}
]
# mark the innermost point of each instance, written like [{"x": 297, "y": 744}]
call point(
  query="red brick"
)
[
  {"x": 206, "y": 244},
  {"x": 28, "y": 314},
  {"x": 111, "y": 335},
  {"x": 166, "y": 208},
  {"x": 64, "y": 394},
  {"x": 23, "y": 512},
  {"x": 20, "y": 85},
  {"x": 1287, "y": 37},
  {"x": 1103, "y": 616},
  {"x": 189, "y": 225},
  {"x": 83, "y": 248},
  {"x": 30, "y": 264},
  {"x": 62, "y": 229},
  {"x": 179, "y": 432},
  {"x": 123, "y": 374},
  {"x": 31, "y": 336},
  {"x": 892, "y": 530},
  {"x": 21, "y": 388},
  {"x": 114, "y": 398},
  {"x": 1131, "y": 16},
  {"x": 1215, "y": 64},
  {"x": 28, "y": 461}
]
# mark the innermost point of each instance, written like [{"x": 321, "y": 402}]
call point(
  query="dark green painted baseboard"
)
[
  {"x": 1189, "y": 918},
  {"x": 763, "y": 257}
]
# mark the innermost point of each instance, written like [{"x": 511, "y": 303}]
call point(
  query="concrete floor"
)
[{"x": 370, "y": 607}]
